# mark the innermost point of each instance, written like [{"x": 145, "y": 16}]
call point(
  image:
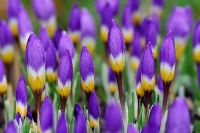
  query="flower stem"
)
[
  {"x": 166, "y": 93},
  {"x": 63, "y": 103},
  {"x": 38, "y": 102}
]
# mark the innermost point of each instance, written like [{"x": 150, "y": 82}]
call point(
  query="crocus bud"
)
[
  {"x": 157, "y": 7},
  {"x": 116, "y": 48},
  {"x": 148, "y": 69},
  {"x": 139, "y": 90},
  {"x": 11, "y": 128},
  {"x": 136, "y": 13},
  {"x": 113, "y": 118},
  {"x": 56, "y": 38},
  {"x": 86, "y": 70},
  {"x": 132, "y": 129},
  {"x": 25, "y": 27},
  {"x": 51, "y": 63},
  {"x": 80, "y": 122},
  {"x": 46, "y": 115},
  {"x": 21, "y": 97},
  {"x": 45, "y": 12},
  {"x": 178, "y": 119},
  {"x": 6, "y": 43},
  {"x": 88, "y": 31},
  {"x": 180, "y": 23},
  {"x": 62, "y": 124},
  {"x": 44, "y": 37},
  {"x": 35, "y": 63},
  {"x": 94, "y": 110},
  {"x": 112, "y": 83},
  {"x": 77, "y": 110},
  {"x": 66, "y": 44},
  {"x": 65, "y": 75},
  {"x": 75, "y": 24},
  {"x": 3, "y": 80},
  {"x": 136, "y": 51},
  {"x": 196, "y": 42}
]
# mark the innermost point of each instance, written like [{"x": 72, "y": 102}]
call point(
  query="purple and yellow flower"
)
[
  {"x": 88, "y": 31},
  {"x": 94, "y": 110},
  {"x": 167, "y": 58},
  {"x": 139, "y": 91},
  {"x": 86, "y": 70},
  {"x": 11, "y": 128},
  {"x": 157, "y": 7},
  {"x": 127, "y": 29},
  {"x": 136, "y": 13},
  {"x": 180, "y": 23},
  {"x": 116, "y": 48},
  {"x": 62, "y": 124},
  {"x": 3, "y": 80},
  {"x": 46, "y": 115},
  {"x": 148, "y": 69},
  {"x": 44, "y": 37},
  {"x": 112, "y": 83},
  {"x": 142, "y": 31},
  {"x": 66, "y": 44},
  {"x": 178, "y": 119},
  {"x": 25, "y": 27},
  {"x": 65, "y": 75},
  {"x": 113, "y": 120},
  {"x": 132, "y": 129},
  {"x": 136, "y": 51},
  {"x": 13, "y": 12},
  {"x": 51, "y": 63},
  {"x": 45, "y": 12},
  {"x": 21, "y": 97},
  {"x": 35, "y": 63},
  {"x": 56, "y": 38},
  {"x": 75, "y": 24},
  {"x": 196, "y": 42},
  {"x": 6, "y": 43}
]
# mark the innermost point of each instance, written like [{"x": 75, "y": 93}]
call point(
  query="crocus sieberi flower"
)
[
  {"x": 157, "y": 7},
  {"x": 11, "y": 128},
  {"x": 56, "y": 38},
  {"x": 132, "y": 129},
  {"x": 62, "y": 124},
  {"x": 178, "y": 119},
  {"x": 94, "y": 110},
  {"x": 21, "y": 97},
  {"x": 180, "y": 23},
  {"x": 136, "y": 13},
  {"x": 75, "y": 24},
  {"x": 112, "y": 83},
  {"x": 86, "y": 70},
  {"x": 6, "y": 43},
  {"x": 88, "y": 31},
  {"x": 139, "y": 90},
  {"x": 45, "y": 12},
  {"x": 196, "y": 42},
  {"x": 3, "y": 80},
  {"x": 46, "y": 115},
  {"x": 25, "y": 27},
  {"x": 44, "y": 37}
]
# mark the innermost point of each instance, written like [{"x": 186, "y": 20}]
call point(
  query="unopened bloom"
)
[
  {"x": 11, "y": 128},
  {"x": 6, "y": 43},
  {"x": 21, "y": 97},
  {"x": 136, "y": 13},
  {"x": 46, "y": 115},
  {"x": 45, "y": 12},
  {"x": 180, "y": 23},
  {"x": 65, "y": 75},
  {"x": 196, "y": 42},
  {"x": 139, "y": 90},
  {"x": 56, "y": 38},
  {"x": 112, "y": 83},
  {"x": 35, "y": 63},
  {"x": 157, "y": 7},
  {"x": 86, "y": 70},
  {"x": 25, "y": 27},
  {"x": 3, "y": 80},
  {"x": 148, "y": 69},
  {"x": 75, "y": 23},
  {"x": 44, "y": 37},
  {"x": 167, "y": 58},
  {"x": 116, "y": 48},
  {"x": 178, "y": 119},
  {"x": 94, "y": 110},
  {"x": 62, "y": 124},
  {"x": 132, "y": 129},
  {"x": 88, "y": 31}
]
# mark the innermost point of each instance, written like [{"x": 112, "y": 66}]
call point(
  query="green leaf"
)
[{"x": 26, "y": 126}]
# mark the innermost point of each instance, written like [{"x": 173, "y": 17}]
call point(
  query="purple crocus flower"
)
[
  {"x": 46, "y": 115},
  {"x": 178, "y": 119},
  {"x": 160, "y": 84},
  {"x": 66, "y": 44},
  {"x": 57, "y": 36},
  {"x": 113, "y": 118},
  {"x": 35, "y": 63},
  {"x": 3, "y": 80},
  {"x": 29, "y": 115},
  {"x": 78, "y": 110},
  {"x": 62, "y": 124},
  {"x": 148, "y": 69},
  {"x": 116, "y": 48},
  {"x": 132, "y": 129},
  {"x": 139, "y": 90},
  {"x": 44, "y": 37},
  {"x": 18, "y": 118},
  {"x": 51, "y": 63},
  {"x": 167, "y": 58},
  {"x": 86, "y": 70},
  {"x": 94, "y": 110},
  {"x": 80, "y": 120},
  {"x": 6, "y": 43},
  {"x": 180, "y": 23},
  {"x": 136, "y": 13},
  {"x": 21, "y": 97},
  {"x": 75, "y": 24},
  {"x": 65, "y": 75},
  {"x": 25, "y": 27},
  {"x": 157, "y": 7},
  {"x": 196, "y": 42},
  {"x": 11, "y": 128},
  {"x": 88, "y": 31},
  {"x": 112, "y": 83}
]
